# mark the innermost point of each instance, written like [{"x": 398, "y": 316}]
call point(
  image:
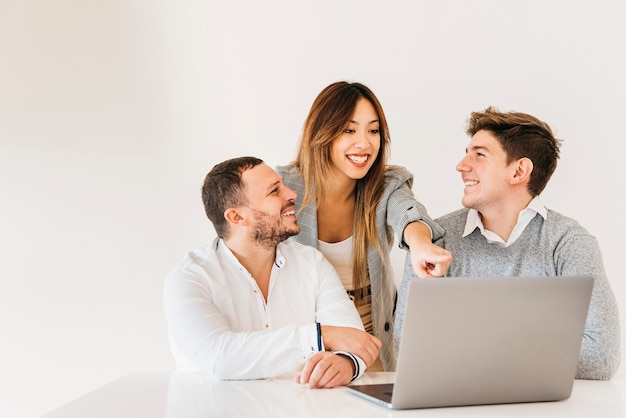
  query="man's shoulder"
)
[
  {"x": 198, "y": 260},
  {"x": 557, "y": 221},
  {"x": 453, "y": 218},
  {"x": 559, "y": 218}
]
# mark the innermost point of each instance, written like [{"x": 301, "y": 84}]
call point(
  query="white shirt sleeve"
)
[
  {"x": 359, "y": 363},
  {"x": 220, "y": 325},
  {"x": 203, "y": 334}
]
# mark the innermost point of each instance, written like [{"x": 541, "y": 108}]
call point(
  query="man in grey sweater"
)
[{"x": 505, "y": 230}]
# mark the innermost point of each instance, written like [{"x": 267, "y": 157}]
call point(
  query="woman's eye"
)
[
  {"x": 348, "y": 131},
  {"x": 374, "y": 131}
]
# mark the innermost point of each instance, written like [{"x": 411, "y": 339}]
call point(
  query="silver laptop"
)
[{"x": 488, "y": 340}]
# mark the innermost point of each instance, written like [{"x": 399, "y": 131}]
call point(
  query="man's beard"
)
[{"x": 269, "y": 230}]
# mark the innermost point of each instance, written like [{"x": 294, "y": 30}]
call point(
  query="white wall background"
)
[{"x": 112, "y": 112}]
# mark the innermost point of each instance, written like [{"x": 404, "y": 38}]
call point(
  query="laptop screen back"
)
[{"x": 487, "y": 340}]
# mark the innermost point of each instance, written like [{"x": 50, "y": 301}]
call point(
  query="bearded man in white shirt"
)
[{"x": 254, "y": 304}]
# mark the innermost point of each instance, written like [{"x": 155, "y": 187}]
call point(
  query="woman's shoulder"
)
[
  {"x": 397, "y": 170},
  {"x": 287, "y": 169},
  {"x": 397, "y": 173},
  {"x": 289, "y": 173}
]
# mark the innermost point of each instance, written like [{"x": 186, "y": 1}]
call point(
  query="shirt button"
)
[{"x": 386, "y": 326}]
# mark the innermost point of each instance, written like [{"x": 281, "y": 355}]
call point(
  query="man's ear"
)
[
  {"x": 524, "y": 167},
  {"x": 234, "y": 216}
]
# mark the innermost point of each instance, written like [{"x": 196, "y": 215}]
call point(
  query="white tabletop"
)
[{"x": 177, "y": 394}]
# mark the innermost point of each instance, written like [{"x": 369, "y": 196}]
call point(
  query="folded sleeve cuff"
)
[
  {"x": 311, "y": 339},
  {"x": 359, "y": 364}
]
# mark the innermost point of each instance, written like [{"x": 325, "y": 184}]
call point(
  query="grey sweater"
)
[{"x": 556, "y": 246}]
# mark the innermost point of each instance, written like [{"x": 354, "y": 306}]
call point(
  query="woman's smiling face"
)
[{"x": 355, "y": 150}]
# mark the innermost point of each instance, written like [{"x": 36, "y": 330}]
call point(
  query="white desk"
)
[{"x": 188, "y": 395}]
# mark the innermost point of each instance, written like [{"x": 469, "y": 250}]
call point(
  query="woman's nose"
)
[{"x": 361, "y": 140}]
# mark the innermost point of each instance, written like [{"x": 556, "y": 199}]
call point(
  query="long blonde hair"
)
[{"x": 329, "y": 115}]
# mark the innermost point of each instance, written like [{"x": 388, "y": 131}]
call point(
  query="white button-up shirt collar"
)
[{"x": 525, "y": 216}]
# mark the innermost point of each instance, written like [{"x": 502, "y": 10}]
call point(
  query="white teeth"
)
[
  {"x": 289, "y": 213},
  {"x": 471, "y": 183},
  {"x": 358, "y": 160}
]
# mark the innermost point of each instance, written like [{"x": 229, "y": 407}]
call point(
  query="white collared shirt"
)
[
  {"x": 220, "y": 323},
  {"x": 525, "y": 216}
]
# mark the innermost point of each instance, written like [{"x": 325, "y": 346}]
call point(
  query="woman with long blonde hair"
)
[{"x": 350, "y": 203}]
